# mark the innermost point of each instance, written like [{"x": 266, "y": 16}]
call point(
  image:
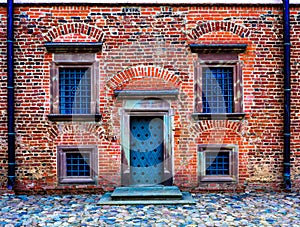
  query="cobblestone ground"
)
[{"x": 270, "y": 209}]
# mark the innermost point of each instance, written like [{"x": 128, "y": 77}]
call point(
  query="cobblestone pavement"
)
[{"x": 271, "y": 209}]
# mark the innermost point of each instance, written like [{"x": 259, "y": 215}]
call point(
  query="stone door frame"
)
[{"x": 146, "y": 107}]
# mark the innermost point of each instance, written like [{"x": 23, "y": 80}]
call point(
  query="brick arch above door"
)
[{"x": 149, "y": 77}]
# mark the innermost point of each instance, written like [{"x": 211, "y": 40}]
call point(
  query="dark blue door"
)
[{"x": 146, "y": 150}]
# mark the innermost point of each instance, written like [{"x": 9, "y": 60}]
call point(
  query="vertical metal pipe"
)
[
  {"x": 287, "y": 95},
  {"x": 10, "y": 96}
]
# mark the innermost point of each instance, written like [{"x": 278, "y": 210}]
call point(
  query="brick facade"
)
[{"x": 147, "y": 47}]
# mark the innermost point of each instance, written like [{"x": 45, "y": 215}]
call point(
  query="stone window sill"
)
[
  {"x": 218, "y": 116},
  {"x": 218, "y": 179},
  {"x": 75, "y": 117},
  {"x": 77, "y": 181}
]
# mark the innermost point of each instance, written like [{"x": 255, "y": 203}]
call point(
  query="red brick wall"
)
[
  {"x": 150, "y": 49},
  {"x": 3, "y": 128},
  {"x": 295, "y": 66}
]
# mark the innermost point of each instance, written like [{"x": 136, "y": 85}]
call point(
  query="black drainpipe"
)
[
  {"x": 287, "y": 95},
  {"x": 10, "y": 96}
]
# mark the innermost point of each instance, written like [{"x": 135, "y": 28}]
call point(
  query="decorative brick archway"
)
[
  {"x": 215, "y": 26},
  {"x": 75, "y": 28},
  {"x": 143, "y": 71}
]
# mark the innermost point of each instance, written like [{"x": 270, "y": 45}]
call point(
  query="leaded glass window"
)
[
  {"x": 74, "y": 91},
  {"x": 74, "y": 87},
  {"x": 217, "y": 163},
  {"x": 78, "y": 164},
  {"x": 217, "y": 90},
  {"x": 218, "y": 85}
]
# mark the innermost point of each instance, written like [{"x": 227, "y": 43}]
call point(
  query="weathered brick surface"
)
[
  {"x": 3, "y": 128},
  {"x": 147, "y": 47},
  {"x": 295, "y": 67}
]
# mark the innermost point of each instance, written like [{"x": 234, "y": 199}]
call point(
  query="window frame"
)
[
  {"x": 218, "y": 54},
  {"x": 74, "y": 60},
  {"x": 233, "y": 165},
  {"x": 62, "y": 164}
]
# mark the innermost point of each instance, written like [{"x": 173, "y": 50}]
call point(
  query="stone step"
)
[
  {"x": 185, "y": 199},
  {"x": 146, "y": 193}
]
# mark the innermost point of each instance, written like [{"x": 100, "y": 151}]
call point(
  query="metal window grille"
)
[
  {"x": 217, "y": 90},
  {"x": 74, "y": 91},
  {"x": 78, "y": 164},
  {"x": 217, "y": 163}
]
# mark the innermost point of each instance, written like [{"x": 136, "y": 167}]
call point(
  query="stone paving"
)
[{"x": 249, "y": 209}]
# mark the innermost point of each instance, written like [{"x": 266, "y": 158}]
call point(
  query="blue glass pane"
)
[
  {"x": 217, "y": 163},
  {"x": 217, "y": 90},
  {"x": 78, "y": 164},
  {"x": 74, "y": 91}
]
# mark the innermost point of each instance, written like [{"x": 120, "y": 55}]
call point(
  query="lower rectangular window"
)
[
  {"x": 218, "y": 163},
  {"x": 77, "y": 164}
]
